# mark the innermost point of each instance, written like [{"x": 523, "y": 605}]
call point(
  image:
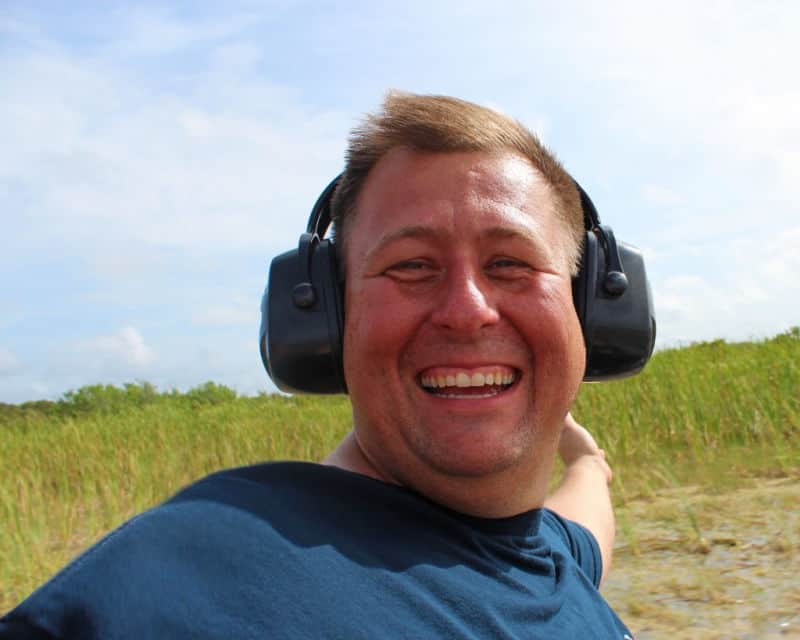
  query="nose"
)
[{"x": 465, "y": 305}]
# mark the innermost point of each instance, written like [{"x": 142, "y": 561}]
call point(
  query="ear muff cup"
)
[
  {"x": 302, "y": 310},
  {"x": 619, "y": 327},
  {"x": 301, "y": 346}
]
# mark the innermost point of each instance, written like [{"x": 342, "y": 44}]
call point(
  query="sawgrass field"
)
[{"x": 705, "y": 446}]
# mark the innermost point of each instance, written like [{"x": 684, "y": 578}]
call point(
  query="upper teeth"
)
[{"x": 463, "y": 379}]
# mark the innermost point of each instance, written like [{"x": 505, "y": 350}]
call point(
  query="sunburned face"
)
[{"x": 462, "y": 349}]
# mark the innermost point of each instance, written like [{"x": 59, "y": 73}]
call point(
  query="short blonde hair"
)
[{"x": 445, "y": 124}]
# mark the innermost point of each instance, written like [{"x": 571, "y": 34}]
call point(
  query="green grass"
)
[
  {"x": 705, "y": 414},
  {"x": 708, "y": 415}
]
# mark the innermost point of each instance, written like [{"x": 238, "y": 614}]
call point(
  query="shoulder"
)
[
  {"x": 170, "y": 553},
  {"x": 576, "y": 541}
]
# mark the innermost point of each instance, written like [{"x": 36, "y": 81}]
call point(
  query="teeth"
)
[{"x": 464, "y": 380}]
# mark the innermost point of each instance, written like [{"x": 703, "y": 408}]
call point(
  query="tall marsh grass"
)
[
  {"x": 71, "y": 470},
  {"x": 705, "y": 414}
]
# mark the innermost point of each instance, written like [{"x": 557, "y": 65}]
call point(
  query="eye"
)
[
  {"x": 503, "y": 268},
  {"x": 411, "y": 271},
  {"x": 503, "y": 265}
]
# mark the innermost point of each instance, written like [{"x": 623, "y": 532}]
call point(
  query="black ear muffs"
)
[
  {"x": 302, "y": 314},
  {"x": 613, "y": 302}
]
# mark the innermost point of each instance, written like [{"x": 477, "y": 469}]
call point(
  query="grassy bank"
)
[{"x": 708, "y": 415}]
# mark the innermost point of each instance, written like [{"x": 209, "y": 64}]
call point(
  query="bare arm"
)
[{"x": 583, "y": 494}]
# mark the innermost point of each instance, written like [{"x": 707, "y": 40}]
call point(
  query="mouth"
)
[{"x": 459, "y": 383}]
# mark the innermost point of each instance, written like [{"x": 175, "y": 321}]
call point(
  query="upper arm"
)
[{"x": 583, "y": 497}]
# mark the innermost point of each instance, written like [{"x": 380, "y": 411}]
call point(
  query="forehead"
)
[
  {"x": 452, "y": 193},
  {"x": 402, "y": 176}
]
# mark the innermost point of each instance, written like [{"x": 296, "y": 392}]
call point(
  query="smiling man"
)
[{"x": 458, "y": 236}]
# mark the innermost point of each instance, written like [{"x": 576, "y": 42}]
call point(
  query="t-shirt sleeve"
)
[
  {"x": 91, "y": 593},
  {"x": 61, "y": 607},
  {"x": 578, "y": 541}
]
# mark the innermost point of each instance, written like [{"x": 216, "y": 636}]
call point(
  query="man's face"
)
[{"x": 462, "y": 349}]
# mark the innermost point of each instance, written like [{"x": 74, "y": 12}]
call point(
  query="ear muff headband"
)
[{"x": 302, "y": 315}]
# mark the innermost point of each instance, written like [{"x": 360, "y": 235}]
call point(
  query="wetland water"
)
[{"x": 694, "y": 565}]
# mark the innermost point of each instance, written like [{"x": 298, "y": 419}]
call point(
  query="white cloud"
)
[
  {"x": 683, "y": 310},
  {"x": 9, "y": 363},
  {"x": 719, "y": 80},
  {"x": 94, "y": 150},
  {"x": 11, "y": 313},
  {"x": 757, "y": 297},
  {"x": 155, "y": 32},
  {"x": 196, "y": 123},
  {"x": 659, "y": 195},
  {"x": 244, "y": 314},
  {"x": 780, "y": 264},
  {"x": 125, "y": 349},
  {"x": 789, "y": 170}
]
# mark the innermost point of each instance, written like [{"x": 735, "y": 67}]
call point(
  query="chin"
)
[{"x": 476, "y": 459}]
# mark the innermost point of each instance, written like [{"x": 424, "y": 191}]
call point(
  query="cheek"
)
[
  {"x": 378, "y": 325},
  {"x": 569, "y": 349},
  {"x": 551, "y": 327}
]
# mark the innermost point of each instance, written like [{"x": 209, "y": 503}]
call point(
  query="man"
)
[{"x": 458, "y": 236}]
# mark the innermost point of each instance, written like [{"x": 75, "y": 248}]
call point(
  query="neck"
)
[{"x": 499, "y": 495}]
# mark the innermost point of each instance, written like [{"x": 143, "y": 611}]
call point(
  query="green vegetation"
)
[
  {"x": 712, "y": 416},
  {"x": 74, "y": 469},
  {"x": 707, "y": 414}
]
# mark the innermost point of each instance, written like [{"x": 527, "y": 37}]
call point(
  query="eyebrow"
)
[
  {"x": 414, "y": 232},
  {"x": 513, "y": 233},
  {"x": 431, "y": 233}
]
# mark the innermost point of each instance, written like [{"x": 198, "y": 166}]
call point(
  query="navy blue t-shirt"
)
[{"x": 298, "y": 550}]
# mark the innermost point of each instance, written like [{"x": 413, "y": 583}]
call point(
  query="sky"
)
[{"x": 155, "y": 157}]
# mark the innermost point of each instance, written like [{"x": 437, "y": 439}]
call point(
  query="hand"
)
[{"x": 577, "y": 443}]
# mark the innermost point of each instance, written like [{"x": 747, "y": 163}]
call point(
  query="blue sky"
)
[{"x": 154, "y": 158}]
